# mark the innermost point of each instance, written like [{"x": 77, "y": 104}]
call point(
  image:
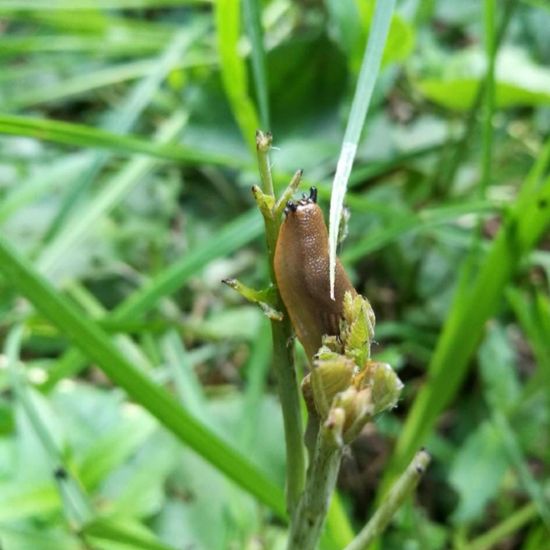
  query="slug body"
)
[{"x": 301, "y": 267}]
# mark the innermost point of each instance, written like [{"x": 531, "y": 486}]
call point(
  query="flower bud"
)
[
  {"x": 328, "y": 377},
  {"x": 357, "y": 328}
]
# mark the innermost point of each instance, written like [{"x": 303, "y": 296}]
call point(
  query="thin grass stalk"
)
[{"x": 356, "y": 120}]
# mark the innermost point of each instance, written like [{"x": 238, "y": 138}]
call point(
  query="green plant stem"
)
[
  {"x": 308, "y": 520},
  {"x": 283, "y": 356},
  {"x": 392, "y": 502}
]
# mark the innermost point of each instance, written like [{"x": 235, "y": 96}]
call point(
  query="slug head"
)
[{"x": 305, "y": 222}]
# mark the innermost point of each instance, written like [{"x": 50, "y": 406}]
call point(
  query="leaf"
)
[
  {"x": 518, "y": 80},
  {"x": 497, "y": 364},
  {"x": 477, "y": 471}
]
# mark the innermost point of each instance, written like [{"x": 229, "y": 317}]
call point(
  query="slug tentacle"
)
[{"x": 301, "y": 267}]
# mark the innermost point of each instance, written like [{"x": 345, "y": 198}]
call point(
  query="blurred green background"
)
[{"x": 126, "y": 161}]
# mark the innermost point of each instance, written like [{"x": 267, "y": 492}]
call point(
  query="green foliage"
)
[{"x": 126, "y": 141}]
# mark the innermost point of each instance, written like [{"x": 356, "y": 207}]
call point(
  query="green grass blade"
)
[
  {"x": 473, "y": 305},
  {"x": 94, "y": 4},
  {"x": 534, "y": 319},
  {"x": 93, "y": 341},
  {"x": 338, "y": 530},
  {"x": 359, "y": 107},
  {"x": 236, "y": 234},
  {"x": 80, "y": 135},
  {"x": 76, "y": 505},
  {"x": 121, "y": 532},
  {"x": 28, "y": 191},
  {"x": 240, "y": 232},
  {"x": 513, "y": 522},
  {"x": 83, "y": 84},
  {"x": 257, "y": 369},
  {"x": 489, "y": 93},
  {"x": 517, "y": 458},
  {"x": 407, "y": 223},
  {"x": 253, "y": 22},
  {"x": 114, "y": 191},
  {"x": 233, "y": 69},
  {"x": 122, "y": 119}
]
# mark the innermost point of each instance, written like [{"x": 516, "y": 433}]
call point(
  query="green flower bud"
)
[
  {"x": 357, "y": 328},
  {"x": 385, "y": 386},
  {"x": 330, "y": 376}
]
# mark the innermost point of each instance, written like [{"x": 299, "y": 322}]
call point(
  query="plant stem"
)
[
  {"x": 391, "y": 503},
  {"x": 308, "y": 520},
  {"x": 283, "y": 356}
]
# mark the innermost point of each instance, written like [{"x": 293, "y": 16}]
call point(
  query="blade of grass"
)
[
  {"x": 503, "y": 530},
  {"x": 407, "y": 223},
  {"x": 104, "y": 202},
  {"x": 80, "y": 135},
  {"x": 257, "y": 368},
  {"x": 38, "y": 184},
  {"x": 102, "y": 78},
  {"x": 474, "y": 302},
  {"x": 359, "y": 107},
  {"x": 93, "y": 341},
  {"x": 121, "y": 120},
  {"x": 517, "y": 458},
  {"x": 233, "y": 69},
  {"x": 400, "y": 491},
  {"x": 534, "y": 319},
  {"x": 253, "y": 22},
  {"x": 95, "y": 4},
  {"x": 236, "y": 234},
  {"x": 489, "y": 91},
  {"x": 76, "y": 505},
  {"x": 187, "y": 384},
  {"x": 121, "y": 532},
  {"x": 338, "y": 532},
  {"x": 450, "y": 163},
  {"x": 103, "y": 46}
]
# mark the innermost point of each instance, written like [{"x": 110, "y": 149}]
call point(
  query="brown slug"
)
[{"x": 301, "y": 267}]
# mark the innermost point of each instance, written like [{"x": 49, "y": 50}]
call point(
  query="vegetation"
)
[{"x": 138, "y": 406}]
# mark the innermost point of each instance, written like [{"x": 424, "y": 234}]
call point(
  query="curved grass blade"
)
[
  {"x": 474, "y": 303},
  {"x": 80, "y": 135},
  {"x": 95, "y": 343}
]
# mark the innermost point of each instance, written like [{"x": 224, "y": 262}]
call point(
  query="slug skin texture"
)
[{"x": 302, "y": 271}]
